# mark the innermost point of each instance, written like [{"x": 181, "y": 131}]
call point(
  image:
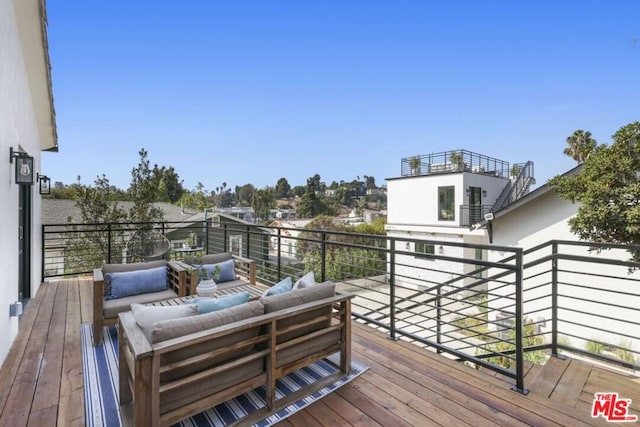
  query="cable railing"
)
[{"x": 490, "y": 306}]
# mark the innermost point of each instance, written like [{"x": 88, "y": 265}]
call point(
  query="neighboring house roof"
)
[
  {"x": 538, "y": 192},
  {"x": 57, "y": 211}
]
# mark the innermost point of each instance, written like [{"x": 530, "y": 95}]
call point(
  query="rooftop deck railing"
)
[
  {"x": 491, "y": 306},
  {"x": 453, "y": 161}
]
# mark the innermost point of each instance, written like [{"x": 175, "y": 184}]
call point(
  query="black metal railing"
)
[
  {"x": 492, "y": 306},
  {"x": 523, "y": 178},
  {"x": 453, "y": 161},
  {"x": 473, "y": 214}
]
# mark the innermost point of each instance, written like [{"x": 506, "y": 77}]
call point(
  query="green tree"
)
[
  {"x": 608, "y": 188},
  {"x": 298, "y": 190},
  {"x": 143, "y": 193},
  {"x": 244, "y": 193},
  {"x": 282, "y": 189},
  {"x": 87, "y": 246},
  {"x": 224, "y": 197},
  {"x": 342, "y": 262},
  {"x": 262, "y": 201},
  {"x": 313, "y": 203},
  {"x": 370, "y": 181},
  {"x": 580, "y": 145},
  {"x": 196, "y": 199},
  {"x": 167, "y": 183}
]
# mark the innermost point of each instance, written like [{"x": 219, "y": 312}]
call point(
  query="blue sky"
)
[{"x": 252, "y": 91}]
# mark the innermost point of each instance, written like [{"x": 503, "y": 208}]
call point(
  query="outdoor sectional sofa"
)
[
  {"x": 160, "y": 280},
  {"x": 179, "y": 367},
  {"x": 178, "y": 281}
]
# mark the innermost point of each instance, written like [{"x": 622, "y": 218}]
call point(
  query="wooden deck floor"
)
[{"x": 41, "y": 380}]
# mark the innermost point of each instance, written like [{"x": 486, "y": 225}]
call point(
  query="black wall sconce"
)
[
  {"x": 24, "y": 166},
  {"x": 44, "y": 183}
]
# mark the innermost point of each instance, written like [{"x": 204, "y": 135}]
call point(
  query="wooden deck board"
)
[
  {"x": 71, "y": 406},
  {"x": 41, "y": 381},
  {"x": 9, "y": 369},
  {"x": 570, "y": 385},
  {"x": 546, "y": 381}
]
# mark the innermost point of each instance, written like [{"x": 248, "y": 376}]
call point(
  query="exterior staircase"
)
[{"x": 517, "y": 187}]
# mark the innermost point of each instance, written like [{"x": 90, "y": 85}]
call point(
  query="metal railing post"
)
[
  {"x": 205, "y": 244},
  {"x": 248, "y": 250},
  {"x": 554, "y": 299},
  {"x": 439, "y": 317},
  {"x": 323, "y": 253},
  {"x": 109, "y": 243},
  {"x": 519, "y": 324},
  {"x": 279, "y": 253},
  {"x": 224, "y": 237},
  {"x": 392, "y": 290}
]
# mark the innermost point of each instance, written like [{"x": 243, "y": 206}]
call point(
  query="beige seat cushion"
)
[{"x": 113, "y": 307}]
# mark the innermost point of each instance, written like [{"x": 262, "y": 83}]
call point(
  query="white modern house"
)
[
  {"x": 473, "y": 199},
  {"x": 597, "y": 298},
  {"x": 440, "y": 197},
  {"x": 27, "y": 127}
]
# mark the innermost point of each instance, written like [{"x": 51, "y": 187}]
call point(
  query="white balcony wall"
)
[{"x": 18, "y": 129}]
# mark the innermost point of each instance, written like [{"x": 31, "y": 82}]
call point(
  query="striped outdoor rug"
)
[{"x": 101, "y": 387}]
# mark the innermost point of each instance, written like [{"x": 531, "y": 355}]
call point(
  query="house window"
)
[
  {"x": 423, "y": 249},
  {"x": 235, "y": 244},
  {"x": 446, "y": 203}
]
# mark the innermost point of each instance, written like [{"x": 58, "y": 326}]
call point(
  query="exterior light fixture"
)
[
  {"x": 441, "y": 249},
  {"x": 44, "y": 183},
  {"x": 484, "y": 193},
  {"x": 24, "y": 166}
]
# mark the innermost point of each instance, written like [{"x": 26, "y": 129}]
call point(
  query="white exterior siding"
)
[
  {"x": 546, "y": 218},
  {"x": 19, "y": 128}
]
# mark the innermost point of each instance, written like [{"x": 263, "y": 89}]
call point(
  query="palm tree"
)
[{"x": 580, "y": 145}]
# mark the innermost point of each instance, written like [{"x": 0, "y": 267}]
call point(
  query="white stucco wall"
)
[
  {"x": 546, "y": 218},
  {"x": 18, "y": 129},
  {"x": 414, "y": 200},
  {"x": 413, "y": 214}
]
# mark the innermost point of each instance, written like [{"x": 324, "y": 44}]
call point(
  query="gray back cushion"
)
[{"x": 216, "y": 258}]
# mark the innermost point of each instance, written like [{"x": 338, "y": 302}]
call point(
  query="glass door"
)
[
  {"x": 475, "y": 204},
  {"x": 24, "y": 242}
]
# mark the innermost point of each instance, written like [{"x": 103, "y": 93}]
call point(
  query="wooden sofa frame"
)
[
  {"x": 177, "y": 277},
  {"x": 141, "y": 363}
]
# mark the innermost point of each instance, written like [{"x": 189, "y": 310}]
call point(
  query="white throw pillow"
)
[
  {"x": 147, "y": 315},
  {"x": 305, "y": 281}
]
